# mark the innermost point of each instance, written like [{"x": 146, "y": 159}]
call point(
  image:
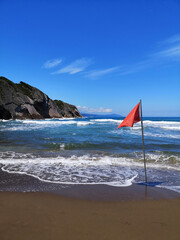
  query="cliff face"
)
[
  {"x": 22, "y": 101},
  {"x": 67, "y": 110}
]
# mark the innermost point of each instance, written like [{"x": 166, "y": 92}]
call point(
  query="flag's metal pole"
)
[{"x": 143, "y": 144}]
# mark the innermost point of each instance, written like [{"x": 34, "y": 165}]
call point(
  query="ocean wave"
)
[
  {"x": 168, "y": 125},
  {"x": 163, "y": 124},
  {"x": 73, "y": 170},
  {"x": 161, "y": 135},
  {"x": 106, "y": 120},
  {"x": 59, "y": 122},
  {"x": 48, "y": 122},
  {"x": 21, "y": 128},
  {"x": 90, "y": 151},
  {"x": 28, "y": 125},
  {"x": 137, "y": 132},
  {"x": 58, "y": 119},
  {"x": 3, "y": 120},
  {"x": 81, "y": 123},
  {"x": 156, "y": 135},
  {"x": 154, "y": 160},
  {"x": 158, "y": 125},
  {"x": 173, "y": 188},
  {"x": 87, "y": 169},
  {"x": 171, "y": 128}
]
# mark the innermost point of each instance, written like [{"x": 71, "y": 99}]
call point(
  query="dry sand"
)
[{"x": 31, "y": 216}]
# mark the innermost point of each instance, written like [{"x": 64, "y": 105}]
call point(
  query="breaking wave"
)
[
  {"x": 85, "y": 169},
  {"x": 91, "y": 151}
]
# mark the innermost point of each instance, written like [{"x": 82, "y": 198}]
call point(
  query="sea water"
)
[{"x": 92, "y": 151}]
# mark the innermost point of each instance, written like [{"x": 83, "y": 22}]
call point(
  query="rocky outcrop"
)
[
  {"x": 22, "y": 101},
  {"x": 67, "y": 110}
]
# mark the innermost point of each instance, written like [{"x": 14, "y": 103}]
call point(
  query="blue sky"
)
[{"x": 102, "y": 56}]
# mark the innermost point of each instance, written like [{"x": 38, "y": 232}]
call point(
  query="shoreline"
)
[
  {"x": 54, "y": 211},
  {"x": 13, "y": 182}
]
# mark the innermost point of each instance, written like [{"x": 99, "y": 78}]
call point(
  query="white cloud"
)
[
  {"x": 136, "y": 67},
  {"x": 52, "y": 63},
  {"x": 94, "y": 110},
  {"x": 75, "y": 67},
  {"x": 169, "y": 52},
  {"x": 173, "y": 39},
  {"x": 98, "y": 73}
]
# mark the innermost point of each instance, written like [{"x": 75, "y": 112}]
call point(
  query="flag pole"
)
[{"x": 143, "y": 143}]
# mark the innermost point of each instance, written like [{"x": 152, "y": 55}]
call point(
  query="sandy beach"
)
[
  {"x": 90, "y": 120},
  {"x": 47, "y": 216},
  {"x": 85, "y": 212}
]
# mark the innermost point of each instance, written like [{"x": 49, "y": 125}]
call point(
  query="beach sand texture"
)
[{"x": 48, "y": 216}]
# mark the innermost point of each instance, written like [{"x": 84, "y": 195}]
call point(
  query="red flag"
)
[{"x": 132, "y": 117}]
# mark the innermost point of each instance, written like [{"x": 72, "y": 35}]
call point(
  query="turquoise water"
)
[{"x": 92, "y": 150}]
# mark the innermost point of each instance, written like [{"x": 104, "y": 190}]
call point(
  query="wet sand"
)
[
  {"x": 85, "y": 212},
  {"x": 24, "y": 183}
]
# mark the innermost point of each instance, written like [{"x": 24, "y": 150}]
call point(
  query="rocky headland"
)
[{"x": 22, "y": 101}]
